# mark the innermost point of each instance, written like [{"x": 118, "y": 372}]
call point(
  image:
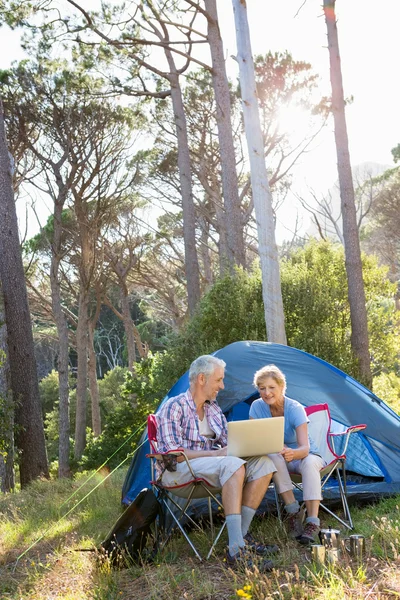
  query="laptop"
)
[{"x": 255, "y": 437}]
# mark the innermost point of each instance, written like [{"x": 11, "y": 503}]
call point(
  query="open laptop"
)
[{"x": 255, "y": 437}]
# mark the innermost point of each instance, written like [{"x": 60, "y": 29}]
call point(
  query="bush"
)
[
  {"x": 317, "y": 312},
  {"x": 131, "y": 402},
  {"x": 387, "y": 387}
]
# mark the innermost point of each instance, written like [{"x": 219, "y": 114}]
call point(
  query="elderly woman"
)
[{"x": 299, "y": 455}]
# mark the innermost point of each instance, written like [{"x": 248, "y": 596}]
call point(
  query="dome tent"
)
[{"x": 373, "y": 456}]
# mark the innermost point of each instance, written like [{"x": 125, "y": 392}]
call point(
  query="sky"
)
[{"x": 368, "y": 34}]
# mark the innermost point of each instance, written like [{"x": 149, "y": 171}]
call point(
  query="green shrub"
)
[
  {"x": 129, "y": 404},
  {"x": 387, "y": 387},
  {"x": 314, "y": 289}
]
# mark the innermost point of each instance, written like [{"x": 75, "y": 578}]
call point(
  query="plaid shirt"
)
[{"x": 178, "y": 426}]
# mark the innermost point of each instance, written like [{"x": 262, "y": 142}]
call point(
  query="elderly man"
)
[{"x": 195, "y": 422}]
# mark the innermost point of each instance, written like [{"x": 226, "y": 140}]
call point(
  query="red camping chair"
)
[
  {"x": 320, "y": 431},
  {"x": 196, "y": 488}
]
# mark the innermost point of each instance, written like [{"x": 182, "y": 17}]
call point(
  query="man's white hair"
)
[{"x": 205, "y": 364}]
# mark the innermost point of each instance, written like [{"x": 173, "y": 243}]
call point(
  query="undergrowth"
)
[{"x": 45, "y": 554}]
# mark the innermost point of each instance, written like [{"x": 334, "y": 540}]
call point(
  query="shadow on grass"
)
[
  {"x": 56, "y": 566},
  {"x": 34, "y": 530}
]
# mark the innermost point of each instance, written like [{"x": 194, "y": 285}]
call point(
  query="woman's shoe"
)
[
  {"x": 294, "y": 524},
  {"x": 309, "y": 535}
]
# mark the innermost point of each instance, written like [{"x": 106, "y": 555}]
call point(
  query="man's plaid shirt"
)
[{"x": 178, "y": 426}]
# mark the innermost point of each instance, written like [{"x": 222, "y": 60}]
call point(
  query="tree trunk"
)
[
  {"x": 81, "y": 384},
  {"x": 271, "y": 285},
  {"x": 63, "y": 347},
  {"x": 189, "y": 214},
  {"x": 204, "y": 251},
  {"x": 24, "y": 383},
  {"x": 7, "y": 478},
  {"x": 358, "y": 311},
  {"x": 236, "y": 251},
  {"x": 128, "y": 326},
  {"x": 93, "y": 385}
]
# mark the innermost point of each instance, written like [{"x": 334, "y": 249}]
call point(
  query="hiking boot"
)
[
  {"x": 258, "y": 547},
  {"x": 294, "y": 524},
  {"x": 245, "y": 559},
  {"x": 309, "y": 535}
]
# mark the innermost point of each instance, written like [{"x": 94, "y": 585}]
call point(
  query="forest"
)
[{"x": 153, "y": 181}]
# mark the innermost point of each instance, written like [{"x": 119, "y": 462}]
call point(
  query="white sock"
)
[{"x": 235, "y": 537}]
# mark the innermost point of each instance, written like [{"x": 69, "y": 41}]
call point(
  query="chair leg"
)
[
  {"x": 216, "y": 540},
  {"x": 327, "y": 510},
  {"x": 277, "y": 503},
  {"x": 347, "y": 520},
  {"x": 182, "y": 510},
  {"x": 182, "y": 530},
  {"x": 343, "y": 496},
  {"x": 210, "y": 515}
]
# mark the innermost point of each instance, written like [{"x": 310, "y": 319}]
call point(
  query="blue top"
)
[{"x": 294, "y": 414}]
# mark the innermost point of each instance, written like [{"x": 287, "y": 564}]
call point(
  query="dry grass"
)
[{"x": 57, "y": 567}]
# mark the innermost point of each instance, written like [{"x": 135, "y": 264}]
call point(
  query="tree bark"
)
[
  {"x": 63, "y": 345},
  {"x": 204, "y": 252},
  {"x": 357, "y": 302},
  {"x": 81, "y": 384},
  {"x": 93, "y": 385},
  {"x": 234, "y": 221},
  {"x": 271, "y": 285},
  {"x": 128, "y": 326},
  {"x": 192, "y": 271},
  {"x": 24, "y": 384},
  {"x": 7, "y": 478}
]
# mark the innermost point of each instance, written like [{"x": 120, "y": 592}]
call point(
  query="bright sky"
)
[{"x": 368, "y": 38}]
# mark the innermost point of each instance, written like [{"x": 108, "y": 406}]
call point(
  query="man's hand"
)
[
  {"x": 287, "y": 453},
  {"x": 221, "y": 451}
]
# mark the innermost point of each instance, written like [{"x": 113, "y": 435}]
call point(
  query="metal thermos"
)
[
  {"x": 330, "y": 538},
  {"x": 356, "y": 546}
]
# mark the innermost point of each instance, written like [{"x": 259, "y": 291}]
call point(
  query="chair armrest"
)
[
  {"x": 159, "y": 455},
  {"x": 347, "y": 432},
  {"x": 177, "y": 453}
]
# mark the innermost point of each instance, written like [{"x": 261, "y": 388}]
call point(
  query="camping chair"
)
[
  {"x": 194, "y": 489},
  {"x": 320, "y": 431}
]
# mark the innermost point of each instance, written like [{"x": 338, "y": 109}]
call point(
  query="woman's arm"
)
[{"x": 303, "y": 445}]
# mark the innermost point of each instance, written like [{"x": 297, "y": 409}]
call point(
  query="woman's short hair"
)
[
  {"x": 205, "y": 364},
  {"x": 270, "y": 371}
]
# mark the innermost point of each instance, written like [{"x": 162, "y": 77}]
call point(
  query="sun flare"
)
[{"x": 294, "y": 120}]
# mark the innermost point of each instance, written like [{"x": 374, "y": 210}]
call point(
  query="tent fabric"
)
[{"x": 372, "y": 455}]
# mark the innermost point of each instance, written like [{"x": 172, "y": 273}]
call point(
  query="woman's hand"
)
[{"x": 287, "y": 453}]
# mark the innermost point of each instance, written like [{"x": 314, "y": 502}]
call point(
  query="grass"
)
[{"x": 56, "y": 560}]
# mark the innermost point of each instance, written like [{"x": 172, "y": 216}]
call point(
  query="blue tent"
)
[{"x": 373, "y": 456}]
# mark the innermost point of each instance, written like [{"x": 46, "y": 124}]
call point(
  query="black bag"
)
[{"x": 129, "y": 535}]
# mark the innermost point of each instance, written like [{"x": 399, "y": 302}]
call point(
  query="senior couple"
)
[{"x": 194, "y": 421}]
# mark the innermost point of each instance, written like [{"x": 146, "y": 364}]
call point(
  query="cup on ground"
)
[
  {"x": 332, "y": 555},
  {"x": 318, "y": 553},
  {"x": 356, "y": 546}
]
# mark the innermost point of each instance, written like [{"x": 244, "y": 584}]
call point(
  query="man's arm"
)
[
  {"x": 190, "y": 454},
  {"x": 170, "y": 434}
]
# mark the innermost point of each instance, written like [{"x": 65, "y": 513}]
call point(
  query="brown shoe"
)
[
  {"x": 245, "y": 559},
  {"x": 309, "y": 535},
  {"x": 258, "y": 547},
  {"x": 294, "y": 524}
]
